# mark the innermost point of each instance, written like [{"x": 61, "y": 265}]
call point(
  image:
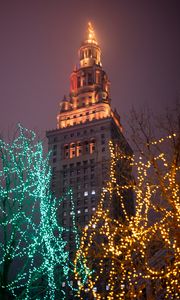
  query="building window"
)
[
  {"x": 86, "y": 200},
  {"x": 79, "y": 211},
  {"x": 85, "y": 170},
  {"x": 79, "y": 148},
  {"x": 71, "y": 173},
  {"x": 85, "y": 185},
  {"x": 90, "y": 79},
  {"x": 92, "y": 146},
  {"x": 64, "y": 214},
  {"x": 54, "y": 153},
  {"x": 66, "y": 151},
  {"x": 93, "y": 199},
  {"x": 86, "y": 219},
  {"x": 71, "y": 181},
  {"x": 92, "y": 169},
  {"x": 86, "y": 178},
  {"x": 64, "y": 222},
  {"x": 72, "y": 150},
  {"x": 103, "y": 149},
  {"x": 86, "y": 193},
  {"x": 86, "y": 210},
  {"x": 93, "y": 192},
  {"x": 93, "y": 208}
]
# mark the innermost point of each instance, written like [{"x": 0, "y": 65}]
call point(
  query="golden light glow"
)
[{"x": 91, "y": 34}]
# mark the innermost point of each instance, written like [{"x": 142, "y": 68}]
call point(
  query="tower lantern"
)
[{"x": 90, "y": 52}]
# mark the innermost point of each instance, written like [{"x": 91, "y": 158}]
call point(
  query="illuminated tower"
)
[{"x": 85, "y": 124}]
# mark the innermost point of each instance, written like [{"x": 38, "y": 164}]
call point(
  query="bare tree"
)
[
  {"x": 33, "y": 257},
  {"x": 138, "y": 257}
]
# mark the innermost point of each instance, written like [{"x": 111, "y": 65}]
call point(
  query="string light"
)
[
  {"x": 119, "y": 252},
  {"x": 34, "y": 259}
]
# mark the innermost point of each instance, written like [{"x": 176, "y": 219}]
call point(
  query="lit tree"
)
[
  {"x": 141, "y": 252},
  {"x": 34, "y": 261}
]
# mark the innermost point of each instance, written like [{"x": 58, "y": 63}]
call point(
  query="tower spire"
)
[{"x": 91, "y": 34}]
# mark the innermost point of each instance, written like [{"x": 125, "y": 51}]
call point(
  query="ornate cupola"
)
[
  {"x": 89, "y": 97},
  {"x": 90, "y": 52}
]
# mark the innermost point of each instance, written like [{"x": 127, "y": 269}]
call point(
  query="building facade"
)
[{"x": 86, "y": 123}]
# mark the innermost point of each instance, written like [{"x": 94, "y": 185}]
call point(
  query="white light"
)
[
  {"x": 93, "y": 192},
  {"x": 78, "y": 211},
  {"x": 93, "y": 208},
  {"x": 86, "y": 193},
  {"x": 63, "y": 284}
]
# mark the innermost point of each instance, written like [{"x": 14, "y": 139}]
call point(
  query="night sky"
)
[{"x": 39, "y": 40}]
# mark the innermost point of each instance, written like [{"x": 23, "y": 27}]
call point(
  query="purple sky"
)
[{"x": 39, "y": 40}]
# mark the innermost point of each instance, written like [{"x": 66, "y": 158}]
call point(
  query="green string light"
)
[{"x": 34, "y": 260}]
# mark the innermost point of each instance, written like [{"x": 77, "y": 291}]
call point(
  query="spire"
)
[{"x": 91, "y": 34}]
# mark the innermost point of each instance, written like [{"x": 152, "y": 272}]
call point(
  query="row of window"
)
[
  {"x": 81, "y": 115},
  {"x": 79, "y": 202},
  {"x": 79, "y": 148},
  {"x": 82, "y": 171},
  {"x": 84, "y": 163},
  {"x": 79, "y": 211},
  {"x": 85, "y": 132},
  {"x": 80, "y": 219}
]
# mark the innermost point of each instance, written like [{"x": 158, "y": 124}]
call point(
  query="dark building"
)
[{"x": 85, "y": 124}]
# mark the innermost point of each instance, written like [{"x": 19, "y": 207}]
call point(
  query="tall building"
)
[{"x": 85, "y": 124}]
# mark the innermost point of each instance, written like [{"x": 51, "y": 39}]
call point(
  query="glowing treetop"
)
[{"x": 89, "y": 97}]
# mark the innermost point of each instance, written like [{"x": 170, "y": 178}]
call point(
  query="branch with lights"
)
[
  {"x": 133, "y": 254},
  {"x": 34, "y": 262}
]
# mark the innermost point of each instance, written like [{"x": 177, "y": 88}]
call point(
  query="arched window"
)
[
  {"x": 66, "y": 151},
  {"x": 92, "y": 146},
  {"x": 86, "y": 147},
  {"x": 72, "y": 150},
  {"x": 79, "y": 149}
]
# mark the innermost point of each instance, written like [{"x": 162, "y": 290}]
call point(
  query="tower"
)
[{"x": 85, "y": 124}]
